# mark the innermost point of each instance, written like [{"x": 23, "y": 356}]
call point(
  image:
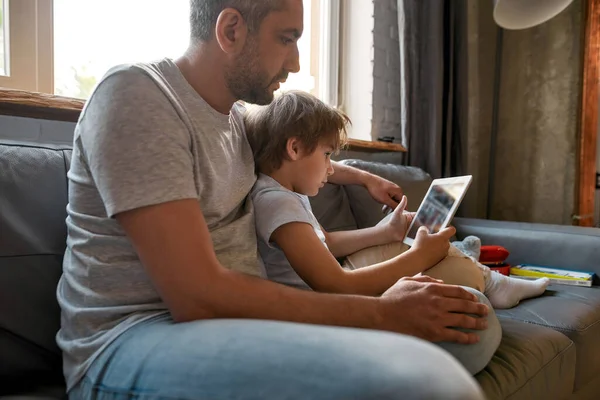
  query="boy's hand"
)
[
  {"x": 433, "y": 247},
  {"x": 399, "y": 222}
]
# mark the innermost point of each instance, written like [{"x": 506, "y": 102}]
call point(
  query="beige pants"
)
[{"x": 456, "y": 269}]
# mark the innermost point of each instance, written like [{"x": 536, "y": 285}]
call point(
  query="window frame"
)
[
  {"x": 30, "y": 46},
  {"x": 328, "y": 51}
]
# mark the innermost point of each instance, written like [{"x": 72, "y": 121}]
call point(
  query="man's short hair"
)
[
  {"x": 292, "y": 114},
  {"x": 204, "y": 14}
]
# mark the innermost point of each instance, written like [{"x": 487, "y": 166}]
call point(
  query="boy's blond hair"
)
[{"x": 292, "y": 114}]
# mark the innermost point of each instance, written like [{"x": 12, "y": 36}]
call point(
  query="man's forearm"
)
[
  {"x": 346, "y": 175},
  {"x": 382, "y": 190},
  {"x": 235, "y": 295}
]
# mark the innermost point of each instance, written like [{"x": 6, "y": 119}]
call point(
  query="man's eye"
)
[
  {"x": 286, "y": 40},
  {"x": 328, "y": 154}
]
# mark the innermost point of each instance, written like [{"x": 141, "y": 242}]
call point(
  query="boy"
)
[{"x": 292, "y": 141}]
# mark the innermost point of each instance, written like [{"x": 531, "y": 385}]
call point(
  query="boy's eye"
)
[{"x": 328, "y": 154}]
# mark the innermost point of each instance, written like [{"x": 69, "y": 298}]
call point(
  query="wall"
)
[{"x": 386, "y": 71}]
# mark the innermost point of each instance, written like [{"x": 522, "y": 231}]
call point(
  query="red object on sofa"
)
[{"x": 495, "y": 257}]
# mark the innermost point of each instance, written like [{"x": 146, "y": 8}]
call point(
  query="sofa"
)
[{"x": 550, "y": 347}]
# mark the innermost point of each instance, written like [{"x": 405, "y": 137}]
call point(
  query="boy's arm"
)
[
  {"x": 382, "y": 190},
  {"x": 316, "y": 265},
  {"x": 344, "y": 243},
  {"x": 392, "y": 229}
]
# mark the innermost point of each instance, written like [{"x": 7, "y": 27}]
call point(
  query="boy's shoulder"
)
[
  {"x": 274, "y": 206},
  {"x": 270, "y": 196},
  {"x": 265, "y": 186}
]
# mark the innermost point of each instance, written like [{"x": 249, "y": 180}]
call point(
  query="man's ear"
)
[
  {"x": 231, "y": 30},
  {"x": 293, "y": 148}
]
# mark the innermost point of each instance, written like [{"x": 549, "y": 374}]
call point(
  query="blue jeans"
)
[{"x": 255, "y": 359}]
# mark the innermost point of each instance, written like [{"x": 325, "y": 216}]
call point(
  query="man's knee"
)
[
  {"x": 476, "y": 356},
  {"x": 408, "y": 370}
]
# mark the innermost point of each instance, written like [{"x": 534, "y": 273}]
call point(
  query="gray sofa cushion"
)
[
  {"x": 332, "y": 208},
  {"x": 531, "y": 362},
  {"x": 367, "y": 212},
  {"x": 574, "y": 311},
  {"x": 33, "y": 201}
]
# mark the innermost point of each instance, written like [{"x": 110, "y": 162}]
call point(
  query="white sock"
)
[{"x": 505, "y": 292}]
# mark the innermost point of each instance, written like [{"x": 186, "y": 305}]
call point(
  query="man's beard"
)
[{"x": 245, "y": 79}]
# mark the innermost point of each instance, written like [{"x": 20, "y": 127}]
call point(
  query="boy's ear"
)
[{"x": 293, "y": 148}]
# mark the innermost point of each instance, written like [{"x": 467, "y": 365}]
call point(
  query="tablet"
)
[{"x": 439, "y": 205}]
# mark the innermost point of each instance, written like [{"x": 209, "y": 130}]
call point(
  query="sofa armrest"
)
[{"x": 542, "y": 244}]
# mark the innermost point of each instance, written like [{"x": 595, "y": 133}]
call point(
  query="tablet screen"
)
[{"x": 436, "y": 207}]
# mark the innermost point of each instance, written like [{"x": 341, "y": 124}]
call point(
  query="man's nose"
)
[{"x": 292, "y": 64}]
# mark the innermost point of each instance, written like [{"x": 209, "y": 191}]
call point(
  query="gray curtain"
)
[{"x": 433, "y": 84}]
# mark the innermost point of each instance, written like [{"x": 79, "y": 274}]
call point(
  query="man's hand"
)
[
  {"x": 432, "y": 247},
  {"x": 426, "y": 308},
  {"x": 383, "y": 191}
]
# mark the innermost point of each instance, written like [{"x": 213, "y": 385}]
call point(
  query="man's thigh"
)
[{"x": 252, "y": 359}]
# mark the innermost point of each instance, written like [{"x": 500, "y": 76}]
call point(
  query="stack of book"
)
[{"x": 556, "y": 275}]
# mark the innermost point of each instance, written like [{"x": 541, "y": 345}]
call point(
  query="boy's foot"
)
[{"x": 506, "y": 292}]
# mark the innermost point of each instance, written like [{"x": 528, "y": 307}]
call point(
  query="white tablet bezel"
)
[{"x": 465, "y": 181}]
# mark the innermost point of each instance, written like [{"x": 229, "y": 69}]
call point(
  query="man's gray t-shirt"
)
[
  {"x": 275, "y": 206},
  {"x": 145, "y": 137}
]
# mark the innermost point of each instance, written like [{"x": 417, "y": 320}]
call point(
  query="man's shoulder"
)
[
  {"x": 139, "y": 86},
  {"x": 134, "y": 77}
]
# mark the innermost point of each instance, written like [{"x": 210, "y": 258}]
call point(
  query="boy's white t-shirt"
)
[{"x": 274, "y": 206}]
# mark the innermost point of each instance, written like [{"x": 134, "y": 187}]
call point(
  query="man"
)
[{"x": 161, "y": 293}]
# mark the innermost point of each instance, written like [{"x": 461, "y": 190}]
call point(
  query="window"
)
[
  {"x": 305, "y": 79},
  {"x": 66, "y": 46},
  {"x": 90, "y": 36},
  {"x": 27, "y": 45},
  {"x": 3, "y": 42}
]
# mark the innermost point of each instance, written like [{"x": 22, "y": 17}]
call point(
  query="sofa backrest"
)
[
  {"x": 33, "y": 199},
  {"x": 351, "y": 206}
]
